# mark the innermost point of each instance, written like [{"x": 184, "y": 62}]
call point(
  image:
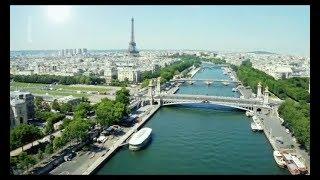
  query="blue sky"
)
[{"x": 280, "y": 29}]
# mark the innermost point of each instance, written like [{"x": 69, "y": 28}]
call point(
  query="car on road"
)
[
  {"x": 69, "y": 156},
  {"x": 279, "y": 140},
  {"x": 287, "y": 131}
]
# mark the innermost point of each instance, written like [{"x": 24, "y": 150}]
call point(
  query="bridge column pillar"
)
[
  {"x": 160, "y": 101},
  {"x": 158, "y": 90},
  {"x": 150, "y": 92},
  {"x": 266, "y": 96},
  {"x": 259, "y": 94}
]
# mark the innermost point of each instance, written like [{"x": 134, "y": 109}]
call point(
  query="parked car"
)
[
  {"x": 279, "y": 140},
  {"x": 287, "y": 131},
  {"x": 69, "y": 156}
]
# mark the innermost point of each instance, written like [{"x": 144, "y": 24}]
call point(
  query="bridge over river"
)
[
  {"x": 205, "y": 80},
  {"x": 155, "y": 95}
]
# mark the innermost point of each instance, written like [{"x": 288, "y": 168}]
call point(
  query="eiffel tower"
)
[{"x": 132, "y": 45}]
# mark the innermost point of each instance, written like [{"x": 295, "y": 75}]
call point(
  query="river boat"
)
[
  {"x": 208, "y": 82},
  {"x": 190, "y": 82},
  {"x": 225, "y": 83},
  {"x": 278, "y": 157},
  {"x": 302, "y": 168},
  {"x": 292, "y": 167},
  {"x": 249, "y": 113},
  {"x": 256, "y": 126},
  {"x": 253, "y": 126},
  {"x": 140, "y": 138},
  {"x": 234, "y": 89}
]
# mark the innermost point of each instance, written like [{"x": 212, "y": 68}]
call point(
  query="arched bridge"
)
[
  {"x": 211, "y": 80},
  {"x": 239, "y": 103}
]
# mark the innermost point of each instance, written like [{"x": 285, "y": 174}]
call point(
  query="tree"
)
[
  {"x": 38, "y": 102},
  {"x": 145, "y": 83},
  {"x": 120, "y": 110},
  {"x": 40, "y": 155},
  {"x": 65, "y": 108},
  {"x": 58, "y": 143},
  {"x": 123, "y": 96},
  {"x": 105, "y": 112},
  {"x": 49, "y": 127},
  {"x": 84, "y": 99},
  {"x": 246, "y": 63},
  {"x": 166, "y": 75},
  {"x": 65, "y": 123},
  {"x": 23, "y": 134},
  {"x": 55, "y": 105},
  {"x": 82, "y": 110},
  {"x": 49, "y": 79},
  {"x": 46, "y": 106},
  {"x": 49, "y": 149},
  {"x": 23, "y": 161},
  {"x": 77, "y": 129}
]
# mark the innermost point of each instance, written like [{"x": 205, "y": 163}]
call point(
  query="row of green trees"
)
[
  {"x": 297, "y": 119},
  {"x": 49, "y": 79},
  {"x": 108, "y": 113},
  {"x": 112, "y": 112},
  {"x": 77, "y": 129},
  {"x": 116, "y": 82},
  {"x": 169, "y": 71},
  {"x": 281, "y": 88},
  {"x": 23, "y": 134},
  {"x": 214, "y": 60},
  {"x": 295, "y": 110}
]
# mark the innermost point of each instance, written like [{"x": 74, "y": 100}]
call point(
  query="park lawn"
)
[
  {"x": 78, "y": 88},
  {"x": 32, "y": 86},
  {"x": 36, "y": 89},
  {"x": 58, "y": 93}
]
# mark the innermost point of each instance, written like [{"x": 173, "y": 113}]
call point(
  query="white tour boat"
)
[
  {"x": 225, "y": 83},
  {"x": 302, "y": 168},
  {"x": 249, "y": 113},
  {"x": 278, "y": 157},
  {"x": 208, "y": 82},
  {"x": 256, "y": 126},
  {"x": 140, "y": 138}
]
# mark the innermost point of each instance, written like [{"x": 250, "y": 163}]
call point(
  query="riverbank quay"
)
[
  {"x": 194, "y": 71},
  {"x": 274, "y": 130},
  {"x": 174, "y": 89},
  {"x": 245, "y": 93},
  {"x": 147, "y": 115}
]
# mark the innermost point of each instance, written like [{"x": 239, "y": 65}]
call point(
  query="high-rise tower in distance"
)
[{"x": 132, "y": 45}]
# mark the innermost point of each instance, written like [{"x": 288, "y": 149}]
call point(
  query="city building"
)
[
  {"x": 19, "y": 112},
  {"x": 130, "y": 73},
  {"x": 283, "y": 72},
  {"x": 111, "y": 72},
  {"x": 28, "y": 98},
  {"x": 12, "y": 119}
]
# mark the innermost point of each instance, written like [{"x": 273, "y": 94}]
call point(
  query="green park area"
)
[{"x": 58, "y": 90}]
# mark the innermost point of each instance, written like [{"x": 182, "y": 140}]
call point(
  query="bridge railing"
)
[
  {"x": 214, "y": 80},
  {"x": 238, "y": 104},
  {"x": 212, "y": 98}
]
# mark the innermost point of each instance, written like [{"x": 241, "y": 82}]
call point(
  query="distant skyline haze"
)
[{"x": 277, "y": 29}]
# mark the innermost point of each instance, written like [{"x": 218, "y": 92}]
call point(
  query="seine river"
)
[{"x": 199, "y": 139}]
